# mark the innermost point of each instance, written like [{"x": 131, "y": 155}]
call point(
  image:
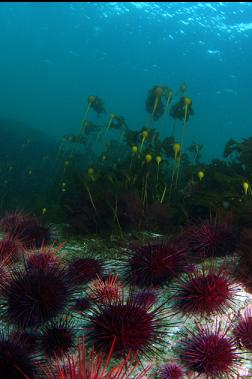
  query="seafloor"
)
[{"x": 114, "y": 249}]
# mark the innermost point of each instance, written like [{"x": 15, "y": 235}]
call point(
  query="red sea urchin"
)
[
  {"x": 212, "y": 238},
  {"x": 40, "y": 261},
  {"x": 10, "y": 250},
  {"x": 32, "y": 234},
  {"x": 105, "y": 290},
  {"x": 155, "y": 264},
  {"x": 46, "y": 256},
  {"x": 243, "y": 270},
  {"x": 27, "y": 339},
  {"x": 15, "y": 361},
  {"x": 146, "y": 298},
  {"x": 171, "y": 371},
  {"x": 85, "y": 269},
  {"x": 243, "y": 331},
  {"x": 32, "y": 296},
  {"x": 91, "y": 365},
  {"x": 57, "y": 339},
  {"x": 210, "y": 351},
  {"x": 25, "y": 229},
  {"x": 205, "y": 291},
  {"x": 81, "y": 305},
  {"x": 136, "y": 328},
  {"x": 10, "y": 221}
]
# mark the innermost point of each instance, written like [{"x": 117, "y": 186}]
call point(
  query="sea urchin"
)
[
  {"x": 171, "y": 371},
  {"x": 212, "y": 238},
  {"x": 105, "y": 290},
  {"x": 85, "y": 269},
  {"x": 205, "y": 291},
  {"x": 243, "y": 331},
  {"x": 154, "y": 264},
  {"x": 57, "y": 339},
  {"x": 33, "y": 296},
  {"x": 210, "y": 351},
  {"x": 136, "y": 328},
  {"x": 15, "y": 360}
]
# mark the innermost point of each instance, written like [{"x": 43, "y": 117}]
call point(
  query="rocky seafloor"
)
[
  {"x": 113, "y": 251},
  {"x": 114, "y": 248}
]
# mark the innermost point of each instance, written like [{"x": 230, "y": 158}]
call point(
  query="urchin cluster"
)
[
  {"x": 136, "y": 328},
  {"x": 205, "y": 291},
  {"x": 154, "y": 264}
]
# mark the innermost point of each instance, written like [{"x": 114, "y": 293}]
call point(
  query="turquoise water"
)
[{"x": 53, "y": 55}]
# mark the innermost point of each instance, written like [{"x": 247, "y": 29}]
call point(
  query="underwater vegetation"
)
[
  {"x": 111, "y": 179},
  {"x": 108, "y": 178}
]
